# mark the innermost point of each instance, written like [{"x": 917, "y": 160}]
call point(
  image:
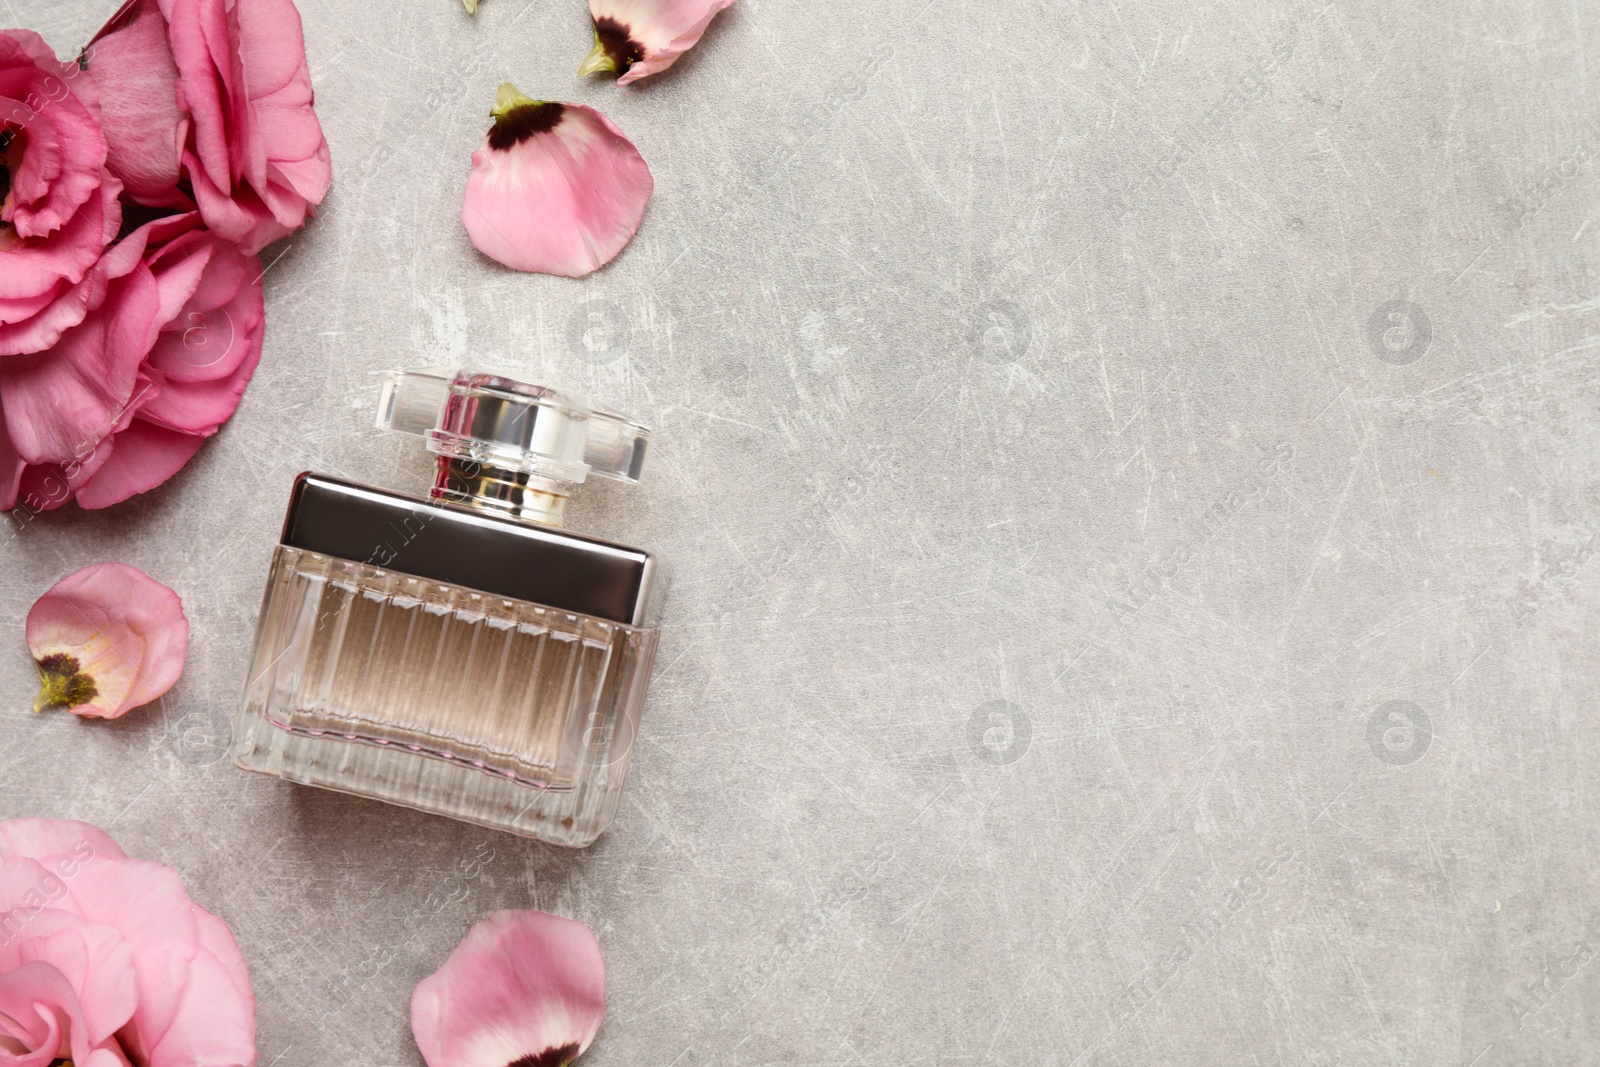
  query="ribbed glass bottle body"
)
[{"x": 502, "y": 712}]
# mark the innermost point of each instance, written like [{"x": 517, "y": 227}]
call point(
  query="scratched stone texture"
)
[{"x": 1131, "y": 474}]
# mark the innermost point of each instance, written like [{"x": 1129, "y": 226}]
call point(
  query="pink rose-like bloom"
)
[
  {"x": 105, "y": 961},
  {"x": 638, "y": 38},
  {"x": 60, "y": 203},
  {"x": 107, "y": 639},
  {"x": 556, "y": 188},
  {"x": 523, "y": 987},
  {"x": 219, "y": 92},
  {"x": 125, "y": 399}
]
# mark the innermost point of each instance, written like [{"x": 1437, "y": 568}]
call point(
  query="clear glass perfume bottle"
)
[{"x": 461, "y": 654}]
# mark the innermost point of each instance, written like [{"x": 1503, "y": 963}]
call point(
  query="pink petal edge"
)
[
  {"x": 126, "y": 630},
  {"x": 565, "y": 200},
  {"x": 520, "y": 984},
  {"x": 662, "y": 30}
]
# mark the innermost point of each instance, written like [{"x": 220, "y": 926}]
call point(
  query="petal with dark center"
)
[
  {"x": 523, "y": 989},
  {"x": 556, "y": 188},
  {"x": 638, "y": 38},
  {"x": 107, "y": 639}
]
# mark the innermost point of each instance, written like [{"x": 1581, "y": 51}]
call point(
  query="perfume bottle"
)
[{"x": 461, "y": 654}]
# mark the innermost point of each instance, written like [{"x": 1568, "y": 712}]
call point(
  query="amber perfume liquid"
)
[{"x": 461, "y": 661}]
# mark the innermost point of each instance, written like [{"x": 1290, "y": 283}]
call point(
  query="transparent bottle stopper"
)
[{"x": 514, "y": 448}]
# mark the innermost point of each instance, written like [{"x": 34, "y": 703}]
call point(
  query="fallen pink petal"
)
[
  {"x": 556, "y": 188},
  {"x": 107, "y": 639},
  {"x": 523, "y": 987},
  {"x": 638, "y": 38}
]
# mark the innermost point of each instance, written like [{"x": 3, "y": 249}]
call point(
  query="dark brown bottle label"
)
[{"x": 544, "y": 565}]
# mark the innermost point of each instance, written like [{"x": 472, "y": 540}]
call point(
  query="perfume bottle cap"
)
[{"x": 512, "y": 446}]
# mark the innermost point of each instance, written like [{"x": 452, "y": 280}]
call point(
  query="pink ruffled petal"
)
[
  {"x": 12, "y": 468},
  {"x": 96, "y": 960},
  {"x": 79, "y": 921},
  {"x": 60, "y": 404},
  {"x": 213, "y": 313},
  {"x": 33, "y": 274},
  {"x": 256, "y": 157},
  {"x": 556, "y": 188},
  {"x": 39, "y": 926},
  {"x": 47, "y": 839},
  {"x": 238, "y": 213},
  {"x": 195, "y": 1005},
  {"x": 522, "y": 987},
  {"x": 74, "y": 304},
  {"x": 37, "y": 1010},
  {"x": 143, "y": 125},
  {"x": 43, "y": 1023},
  {"x": 638, "y": 38},
  {"x": 141, "y": 457},
  {"x": 108, "y": 639},
  {"x": 57, "y": 154},
  {"x": 47, "y": 486}
]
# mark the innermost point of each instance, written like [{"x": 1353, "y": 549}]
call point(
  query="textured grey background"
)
[{"x": 999, "y": 662}]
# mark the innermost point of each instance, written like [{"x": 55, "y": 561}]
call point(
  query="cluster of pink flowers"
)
[
  {"x": 106, "y": 961},
  {"x": 139, "y": 184}
]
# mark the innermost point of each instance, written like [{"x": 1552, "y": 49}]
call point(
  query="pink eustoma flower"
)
[
  {"x": 158, "y": 367},
  {"x": 240, "y": 114},
  {"x": 60, "y": 206},
  {"x": 104, "y": 960},
  {"x": 556, "y": 188},
  {"x": 523, "y": 988},
  {"x": 638, "y": 38},
  {"x": 107, "y": 639}
]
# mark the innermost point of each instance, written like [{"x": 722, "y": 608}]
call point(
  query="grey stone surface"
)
[{"x": 1132, "y": 476}]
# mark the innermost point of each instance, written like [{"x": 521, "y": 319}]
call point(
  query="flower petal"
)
[
  {"x": 256, "y": 158},
  {"x": 141, "y": 457},
  {"x": 63, "y": 154},
  {"x": 138, "y": 81},
  {"x": 556, "y": 188},
  {"x": 44, "y": 839},
  {"x": 12, "y": 468},
  {"x": 108, "y": 638},
  {"x": 73, "y": 304},
  {"x": 41, "y": 1018},
  {"x": 96, "y": 960},
  {"x": 61, "y": 403},
  {"x": 195, "y": 1003},
  {"x": 69, "y": 896},
  {"x": 522, "y": 987},
  {"x": 638, "y": 38}
]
